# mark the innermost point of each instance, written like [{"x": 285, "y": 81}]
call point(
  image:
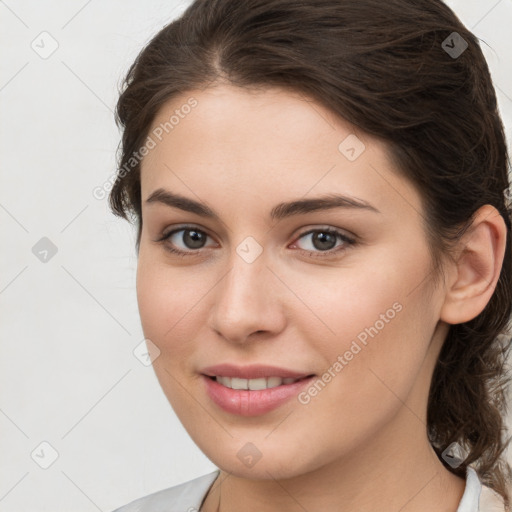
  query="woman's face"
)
[{"x": 342, "y": 293}]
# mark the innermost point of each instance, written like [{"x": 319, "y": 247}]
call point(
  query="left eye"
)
[{"x": 322, "y": 242}]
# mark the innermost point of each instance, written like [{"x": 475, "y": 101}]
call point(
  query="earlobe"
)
[{"x": 478, "y": 267}]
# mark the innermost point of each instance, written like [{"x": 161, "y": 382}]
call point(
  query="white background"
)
[{"x": 68, "y": 326}]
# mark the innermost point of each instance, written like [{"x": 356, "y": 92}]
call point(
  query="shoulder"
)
[
  {"x": 479, "y": 497},
  {"x": 490, "y": 501},
  {"x": 185, "y": 497}
]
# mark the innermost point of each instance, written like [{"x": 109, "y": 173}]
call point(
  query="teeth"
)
[
  {"x": 239, "y": 383},
  {"x": 225, "y": 381},
  {"x": 273, "y": 382},
  {"x": 254, "y": 384}
]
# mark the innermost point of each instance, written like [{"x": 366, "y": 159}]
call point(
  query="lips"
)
[
  {"x": 248, "y": 397},
  {"x": 254, "y": 371}
]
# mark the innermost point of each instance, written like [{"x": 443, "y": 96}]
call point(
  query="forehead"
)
[{"x": 268, "y": 143}]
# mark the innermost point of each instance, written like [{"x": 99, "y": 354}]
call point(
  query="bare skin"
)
[{"x": 360, "y": 444}]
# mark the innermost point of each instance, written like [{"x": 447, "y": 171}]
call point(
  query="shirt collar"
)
[{"x": 471, "y": 497}]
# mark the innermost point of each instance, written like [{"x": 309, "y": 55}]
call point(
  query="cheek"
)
[
  {"x": 370, "y": 371},
  {"x": 169, "y": 303},
  {"x": 167, "y": 300},
  {"x": 380, "y": 326},
  {"x": 359, "y": 303}
]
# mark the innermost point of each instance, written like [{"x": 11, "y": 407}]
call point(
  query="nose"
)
[{"x": 248, "y": 300}]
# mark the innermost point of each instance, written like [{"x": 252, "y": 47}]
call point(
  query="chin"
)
[{"x": 262, "y": 460}]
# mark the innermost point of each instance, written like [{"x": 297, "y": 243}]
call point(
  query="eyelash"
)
[{"x": 316, "y": 254}]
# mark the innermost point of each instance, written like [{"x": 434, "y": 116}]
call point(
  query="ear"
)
[{"x": 477, "y": 267}]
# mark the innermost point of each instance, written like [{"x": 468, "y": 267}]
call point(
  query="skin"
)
[{"x": 360, "y": 444}]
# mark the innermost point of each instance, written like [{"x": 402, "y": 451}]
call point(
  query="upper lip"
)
[{"x": 253, "y": 371}]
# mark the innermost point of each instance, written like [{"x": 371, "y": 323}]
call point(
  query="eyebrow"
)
[{"x": 280, "y": 211}]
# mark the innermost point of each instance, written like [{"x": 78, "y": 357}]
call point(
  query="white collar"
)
[{"x": 471, "y": 497}]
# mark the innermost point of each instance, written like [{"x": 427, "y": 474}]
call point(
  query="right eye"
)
[{"x": 190, "y": 237}]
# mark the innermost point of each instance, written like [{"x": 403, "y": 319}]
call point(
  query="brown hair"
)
[{"x": 387, "y": 69}]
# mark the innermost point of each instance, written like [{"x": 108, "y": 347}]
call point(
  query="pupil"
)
[
  {"x": 194, "y": 241},
  {"x": 324, "y": 238}
]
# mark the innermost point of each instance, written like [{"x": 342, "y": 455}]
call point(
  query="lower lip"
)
[{"x": 252, "y": 403}]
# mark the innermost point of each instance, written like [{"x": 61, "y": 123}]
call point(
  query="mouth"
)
[
  {"x": 253, "y": 397},
  {"x": 257, "y": 384}
]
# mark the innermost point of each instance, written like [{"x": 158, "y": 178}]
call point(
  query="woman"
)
[{"x": 324, "y": 262}]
